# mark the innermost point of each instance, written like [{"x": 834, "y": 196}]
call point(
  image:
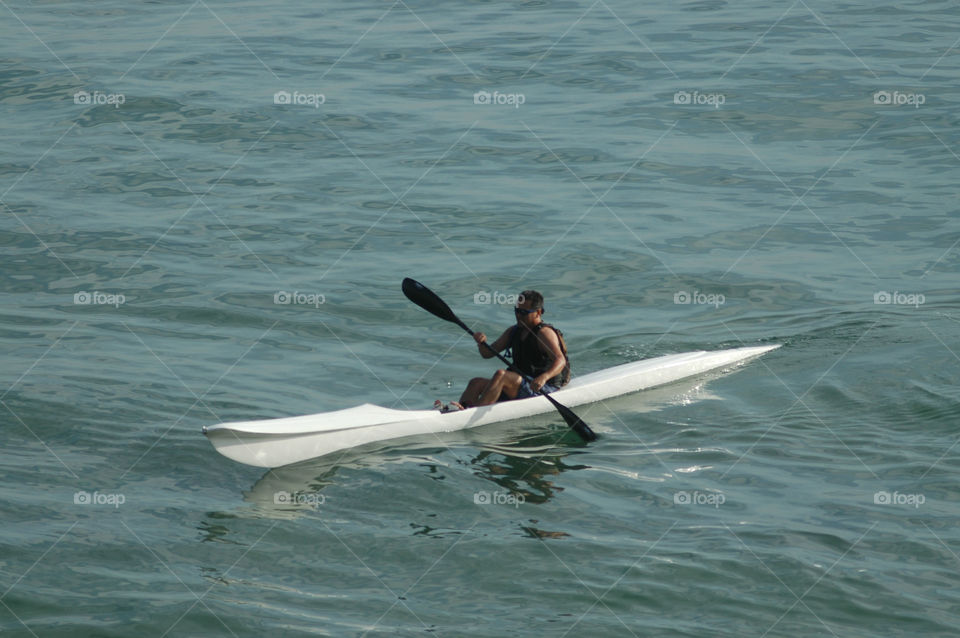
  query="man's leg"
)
[
  {"x": 469, "y": 397},
  {"x": 503, "y": 381}
]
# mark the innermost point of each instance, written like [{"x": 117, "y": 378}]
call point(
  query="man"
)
[{"x": 538, "y": 352}]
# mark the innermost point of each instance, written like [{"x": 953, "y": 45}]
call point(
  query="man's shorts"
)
[{"x": 524, "y": 392}]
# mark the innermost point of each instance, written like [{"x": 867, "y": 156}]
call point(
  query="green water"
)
[{"x": 788, "y": 169}]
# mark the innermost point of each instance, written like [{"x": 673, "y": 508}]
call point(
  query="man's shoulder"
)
[{"x": 553, "y": 332}]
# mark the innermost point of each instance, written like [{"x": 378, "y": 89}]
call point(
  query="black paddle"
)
[{"x": 429, "y": 301}]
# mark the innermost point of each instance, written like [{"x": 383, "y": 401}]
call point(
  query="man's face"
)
[{"x": 525, "y": 314}]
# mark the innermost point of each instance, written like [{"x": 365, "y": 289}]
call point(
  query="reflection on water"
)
[
  {"x": 541, "y": 534},
  {"x": 525, "y": 468},
  {"x": 216, "y": 533}
]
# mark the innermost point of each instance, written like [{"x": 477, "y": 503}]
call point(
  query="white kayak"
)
[{"x": 278, "y": 442}]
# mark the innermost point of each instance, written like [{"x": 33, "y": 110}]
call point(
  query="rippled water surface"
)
[{"x": 673, "y": 177}]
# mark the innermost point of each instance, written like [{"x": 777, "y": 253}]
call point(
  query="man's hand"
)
[
  {"x": 539, "y": 382},
  {"x": 485, "y": 351}
]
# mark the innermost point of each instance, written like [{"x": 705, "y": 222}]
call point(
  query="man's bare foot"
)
[{"x": 453, "y": 406}]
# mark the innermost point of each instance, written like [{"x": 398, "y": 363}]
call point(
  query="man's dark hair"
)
[{"x": 534, "y": 297}]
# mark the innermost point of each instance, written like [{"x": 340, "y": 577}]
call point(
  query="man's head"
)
[{"x": 529, "y": 307}]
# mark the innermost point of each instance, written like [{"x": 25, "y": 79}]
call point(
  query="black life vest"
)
[{"x": 530, "y": 358}]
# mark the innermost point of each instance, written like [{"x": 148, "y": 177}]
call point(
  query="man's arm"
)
[
  {"x": 497, "y": 346},
  {"x": 549, "y": 339}
]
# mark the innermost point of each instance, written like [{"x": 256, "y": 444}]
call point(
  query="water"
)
[{"x": 787, "y": 169}]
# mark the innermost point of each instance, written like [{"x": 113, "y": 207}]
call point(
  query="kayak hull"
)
[{"x": 278, "y": 442}]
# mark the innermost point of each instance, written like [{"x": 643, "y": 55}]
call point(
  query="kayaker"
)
[{"x": 538, "y": 351}]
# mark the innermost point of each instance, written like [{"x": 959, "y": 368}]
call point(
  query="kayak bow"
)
[{"x": 278, "y": 442}]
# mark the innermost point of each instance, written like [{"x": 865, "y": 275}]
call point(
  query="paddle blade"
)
[
  {"x": 576, "y": 423},
  {"x": 429, "y": 301}
]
